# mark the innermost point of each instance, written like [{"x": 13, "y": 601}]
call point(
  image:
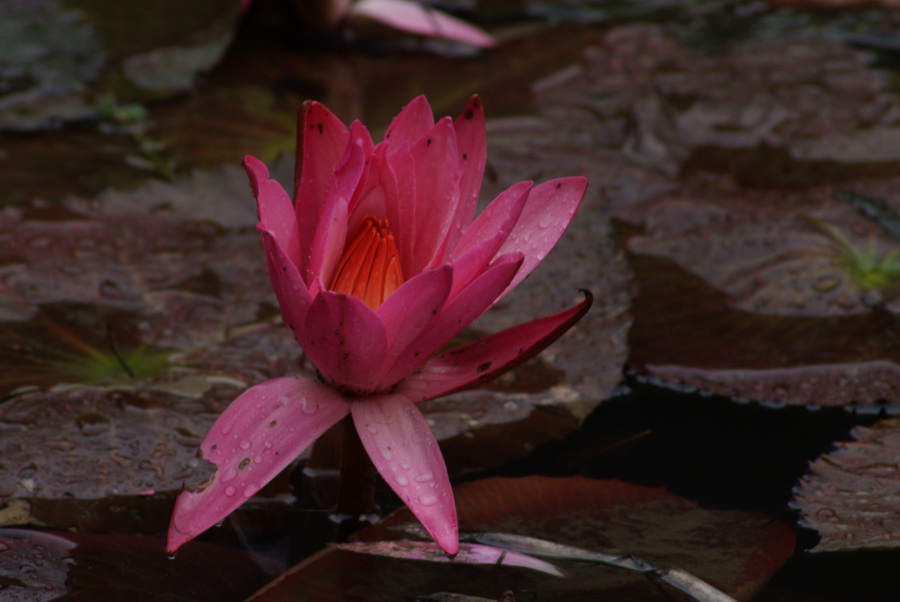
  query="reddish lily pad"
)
[
  {"x": 851, "y": 496},
  {"x": 48, "y": 565},
  {"x": 734, "y": 550}
]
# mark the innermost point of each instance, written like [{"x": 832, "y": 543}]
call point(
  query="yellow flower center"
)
[{"x": 370, "y": 267}]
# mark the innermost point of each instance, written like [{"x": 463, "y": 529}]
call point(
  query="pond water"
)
[{"x": 729, "y": 396}]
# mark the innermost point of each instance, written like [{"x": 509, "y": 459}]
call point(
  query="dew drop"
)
[
  {"x": 404, "y": 465},
  {"x": 229, "y": 491},
  {"x": 424, "y": 477},
  {"x": 308, "y": 407},
  {"x": 428, "y": 499},
  {"x": 227, "y": 429},
  {"x": 229, "y": 475},
  {"x": 402, "y": 480},
  {"x": 371, "y": 428},
  {"x": 250, "y": 489},
  {"x": 245, "y": 444},
  {"x": 386, "y": 453},
  {"x": 171, "y": 556}
]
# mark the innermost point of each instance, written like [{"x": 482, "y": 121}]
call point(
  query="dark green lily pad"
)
[
  {"x": 736, "y": 551},
  {"x": 851, "y": 496}
]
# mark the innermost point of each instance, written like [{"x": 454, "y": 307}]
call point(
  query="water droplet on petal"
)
[
  {"x": 171, "y": 556},
  {"x": 308, "y": 407},
  {"x": 250, "y": 489},
  {"x": 229, "y": 475},
  {"x": 386, "y": 453},
  {"x": 428, "y": 499},
  {"x": 229, "y": 491},
  {"x": 402, "y": 480},
  {"x": 227, "y": 429},
  {"x": 245, "y": 444},
  {"x": 425, "y": 476},
  {"x": 371, "y": 428}
]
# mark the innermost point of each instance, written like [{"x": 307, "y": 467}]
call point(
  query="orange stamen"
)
[{"x": 370, "y": 267}]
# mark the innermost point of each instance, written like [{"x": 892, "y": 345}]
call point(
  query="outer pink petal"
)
[
  {"x": 549, "y": 211},
  {"x": 411, "y": 123},
  {"x": 415, "y": 18},
  {"x": 484, "y": 236},
  {"x": 253, "y": 440},
  {"x": 407, "y": 455},
  {"x": 345, "y": 341},
  {"x": 331, "y": 232},
  {"x": 456, "y": 315},
  {"x": 435, "y": 170},
  {"x": 292, "y": 293},
  {"x": 274, "y": 207},
  {"x": 471, "y": 139},
  {"x": 412, "y": 309},
  {"x": 324, "y": 141},
  {"x": 486, "y": 358}
]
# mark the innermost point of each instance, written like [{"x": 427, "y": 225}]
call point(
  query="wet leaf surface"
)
[
  {"x": 850, "y": 496},
  {"x": 735, "y": 550},
  {"x": 62, "y": 61},
  {"x": 50, "y": 565}
]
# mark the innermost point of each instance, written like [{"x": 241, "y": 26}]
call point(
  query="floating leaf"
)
[
  {"x": 851, "y": 496},
  {"x": 469, "y": 553},
  {"x": 47, "y": 565},
  {"x": 734, "y": 549}
]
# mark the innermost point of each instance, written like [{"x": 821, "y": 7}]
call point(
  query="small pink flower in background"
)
[
  {"x": 405, "y": 15},
  {"x": 377, "y": 265}
]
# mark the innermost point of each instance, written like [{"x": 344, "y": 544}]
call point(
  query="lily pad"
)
[
  {"x": 736, "y": 551},
  {"x": 851, "y": 496},
  {"x": 60, "y": 59},
  {"x": 734, "y": 285},
  {"x": 110, "y": 460},
  {"x": 48, "y": 565},
  {"x": 789, "y": 111}
]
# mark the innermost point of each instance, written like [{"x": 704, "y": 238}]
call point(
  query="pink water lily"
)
[{"x": 377, "y": 265}]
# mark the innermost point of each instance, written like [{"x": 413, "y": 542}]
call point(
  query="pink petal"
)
[
  {"x": 407, "y": 455},
  {"x": 458, "y": 313},
  {"x": 274, "y": 208},
  {"x": 411, "y": 123},
  {"x": 434, "y": 168},
  {"x": 471, "y": 139},
  {"x": 345, "y": 341},
  {"x": 484, "y": 359},
  {"x": 324, "y": 142},
  {"x": 548, "y": 212},
  {"x": 415, "y": 18},
  {"x": 395, "y": 173},
  {"x": 254, "y": 439},
  {"x": 484, "y": 236},
  {"x": 411, "y": 310},
  {"x": 290, "y": 290},
  {"x": 331, "y": 232}
]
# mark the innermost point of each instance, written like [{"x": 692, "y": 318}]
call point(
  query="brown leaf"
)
[{"x": 850, "y": 496}]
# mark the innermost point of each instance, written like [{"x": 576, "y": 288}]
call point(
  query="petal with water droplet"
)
[
  {"x": 259, "y": 414},
  {"x": 401, "y": 429}
]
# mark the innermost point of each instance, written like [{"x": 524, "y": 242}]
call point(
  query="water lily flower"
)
[{"x": 377, "y": 264}]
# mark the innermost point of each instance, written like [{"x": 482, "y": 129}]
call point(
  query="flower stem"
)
[{"x": 356, "y": 492}]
